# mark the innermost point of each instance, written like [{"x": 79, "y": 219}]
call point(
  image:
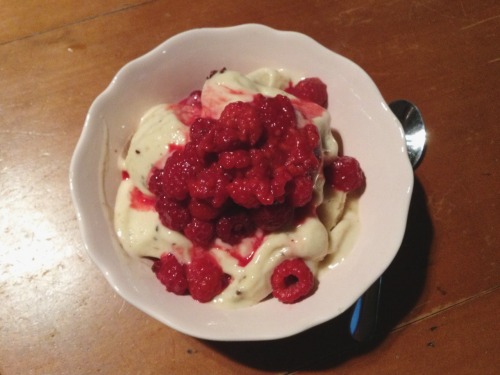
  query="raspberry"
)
[
  {"x": 277, "y": 114},
  {"x": 243, "y": 119},
  {"x": 345, "y": 174},
  {"x": 237, "y": 127},
  {"x": 188, "y": 109},
  {"x": 251, "y": 192},
  {"x": 210, "y": 185},
  {"x": 179, "y": 168},
  {"x": 232, "y": 228},
  {"x": 292, "y": 280},
  {"x": 262, "y": 162},
  {"x": 173, "y": 214},
  {"x": 155, "y": 181},
  {"x": 300, "y": 145},
  {"x": 272, "y": 218},
  {"x": 203, "y": 210},
  {"x": 200, "y": 128},
  {"x": 200, "y": 232},
  {"x": 310, "y": 89},
  {"x": 279, "y": 182},
  {"x": 311, "y": 136},
  {"x": 205, "y": 276},
  {"x": 171, "y": 273},
  {"x": 219, "y": 139},
  {"x": 194, "y": 99},
  {"x": 235, "y": 159}
]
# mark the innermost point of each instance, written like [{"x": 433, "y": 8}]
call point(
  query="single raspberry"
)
[
  {"x": 219, "y": 139},
  {"x": 203, "y": 210},
  {"x": 180, "y": 168},
  {"x": 237, "y": 127},
  {"x": 300, "y": 146},
  {"x": 192, "y": 156},
  {"x": 262, "y": 162},
  {"x": 242, "y": 118},
  {"x": 281, "y": 177},
  {"x": 188, "y": 109},
  {"x": 193, "y": 99},
  {"x": 292, "y": 280},
  {"x": 171, "y": 273},
  {"x": 235, "y": 159},
  {"x": 200, "y": 128},
  {"x": 242, "y": 193},
  {"x": 251, "y": 192},
  {"x": 205, "y": 276},
  {"x": 210, "y": 185},
  {"x": 173, "y": 214},
  {"x": 272, "y": 218},
  {"x": 310, "y": 89},
  {"x": 311, "y": 135},
  {"x": 200, "y": 232},
  {"x": 233, "y": 227},
  {"x": 345, "y": 174},
  {"x": 276, "y": 114},
  {"x": 155, "y": 181}
]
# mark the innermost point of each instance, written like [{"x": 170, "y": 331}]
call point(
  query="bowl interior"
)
[{"x": 369, "y": 132}]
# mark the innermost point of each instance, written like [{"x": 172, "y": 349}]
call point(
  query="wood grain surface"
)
[{"x": 441, "y": 294}]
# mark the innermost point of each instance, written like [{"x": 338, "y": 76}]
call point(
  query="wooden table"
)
[{"x": 58, "y": 315}]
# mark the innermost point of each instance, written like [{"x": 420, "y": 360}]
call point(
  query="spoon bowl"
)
[{"x": 414, "y": 128}]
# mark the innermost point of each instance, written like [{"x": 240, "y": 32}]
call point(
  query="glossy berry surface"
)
[
  {"x": 310, "y": 89},
  {"x": 173, "y": 213},
  {"x": 205, "y": 276},
  {"x": 345, "y": 174},
  {"x": 292, "y": 280},
  {"x": 234, "y": 226},
  {"x": 171, "y": 273},
  {"x": 200, "y": 232}
]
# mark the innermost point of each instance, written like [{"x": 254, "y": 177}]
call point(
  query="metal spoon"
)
[
  {"x": 413, "y": 125},
  {"x": 365, "y": 315}
]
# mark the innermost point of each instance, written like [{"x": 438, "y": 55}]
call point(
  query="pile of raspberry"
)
[{"x": 249, "y": 169}]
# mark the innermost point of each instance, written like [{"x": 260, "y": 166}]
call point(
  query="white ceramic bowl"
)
[{"x": 369, "y": 132}]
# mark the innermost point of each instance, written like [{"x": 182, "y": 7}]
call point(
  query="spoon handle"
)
[{"x": 364, "y": 320}]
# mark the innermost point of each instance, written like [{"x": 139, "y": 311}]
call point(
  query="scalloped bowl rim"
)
[{"x": 369, "y": 132}]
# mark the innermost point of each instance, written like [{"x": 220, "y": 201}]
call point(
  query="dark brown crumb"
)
[{"x": 214, "y": 72}]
